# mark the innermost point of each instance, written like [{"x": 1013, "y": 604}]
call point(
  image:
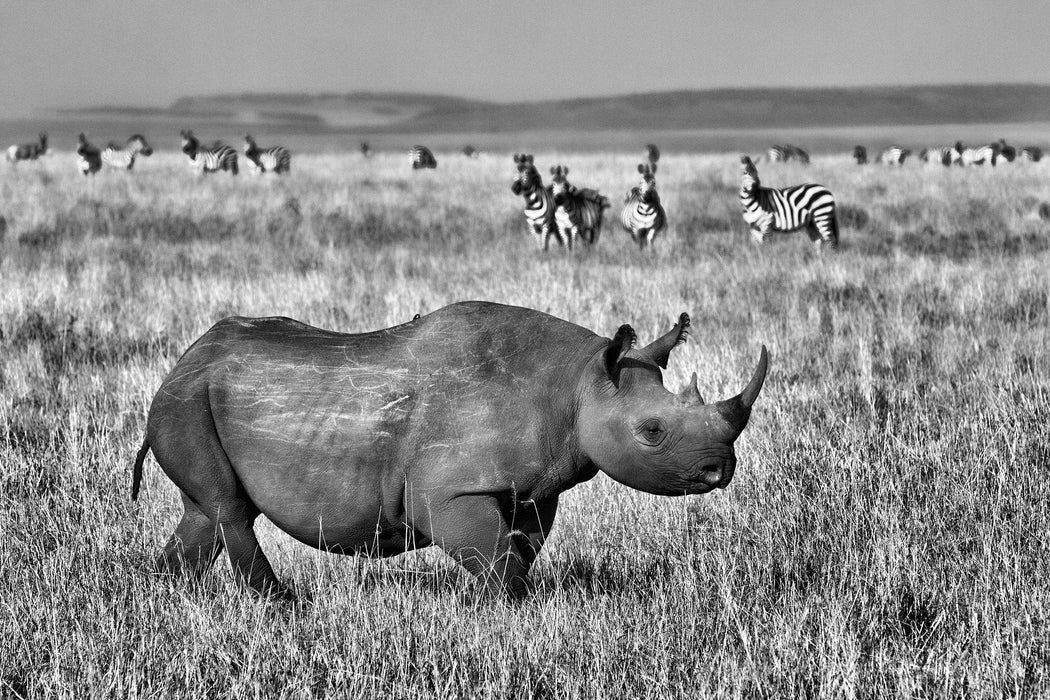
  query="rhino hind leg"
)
[
  {"x": 218, "y": 511},
  {"x": 193, "y": 547},
  {"x": 250, "y": 565}
]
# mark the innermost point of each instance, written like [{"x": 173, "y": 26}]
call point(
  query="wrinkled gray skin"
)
[{"x": 458, "y": 429}]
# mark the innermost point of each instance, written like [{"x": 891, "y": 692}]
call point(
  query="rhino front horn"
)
[{"x": 737, "y": 410}]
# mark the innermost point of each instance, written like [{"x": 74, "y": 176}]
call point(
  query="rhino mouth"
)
[{"x": 712, "y": 475}]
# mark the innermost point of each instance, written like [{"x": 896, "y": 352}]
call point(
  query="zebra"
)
[
  {"x": 768, "y": 210},
  {"x": 577, "y": 212},
  {"x": 366, "y": 150},
  {"x": 471, "y": 152},
  {"x": 89, "y": 160},
  {"x": 275, "y": 159},
  {"x": 784, "y": 154},
  {"x": 539, "y": 202},
  {"x": 1005, "y": 151},
  {"x": 27, "y": 151},
  {"x": 942, "y": 155},
  {"x": 893, "y": 155},
  {"x": 652, "y": 154},
  {"x": 123, "y": 158},
  {"x": 979, "y": 155},
  {"x": 421, "y": 157},
  {"x": 860, "y": 154},
  {"x": 642, "y": 215},
  {"x": 209, "y": 160},
  {"x": 1030, "y": 153}
]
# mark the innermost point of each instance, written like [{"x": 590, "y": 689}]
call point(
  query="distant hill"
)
[{"x": 758, "y": 108}]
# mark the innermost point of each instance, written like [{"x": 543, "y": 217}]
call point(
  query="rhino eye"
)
[{"x": 651, "y": 430}]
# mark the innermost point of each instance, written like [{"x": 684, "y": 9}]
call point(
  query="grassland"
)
[{"x": 886, "y": 533}]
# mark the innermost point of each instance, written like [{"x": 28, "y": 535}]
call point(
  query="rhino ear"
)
[
  {"x": 660, "y": 349},
  {"x": 621, "y": 343}
]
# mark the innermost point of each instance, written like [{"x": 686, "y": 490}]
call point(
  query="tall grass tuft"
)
[{"x": 885, "y": 536}]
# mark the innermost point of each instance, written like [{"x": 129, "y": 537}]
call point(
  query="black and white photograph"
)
[{"x": 524, "y": 350}]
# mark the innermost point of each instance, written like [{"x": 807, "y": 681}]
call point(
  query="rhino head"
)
[{"x": 650, "y": 439}]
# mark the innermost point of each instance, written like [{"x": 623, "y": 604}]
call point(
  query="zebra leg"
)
[
  {"x": 540, "y": 235},
  {"x": 814, "y": 233},
  {"x": 825, "y": 231}
]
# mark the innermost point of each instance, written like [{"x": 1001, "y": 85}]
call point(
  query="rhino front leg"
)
[
  {"x": 531, "y": 524},
  {"x": 474, "y": 530}
]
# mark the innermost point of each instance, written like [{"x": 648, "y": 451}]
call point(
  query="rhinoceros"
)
[{"x": 458, "y": 429}]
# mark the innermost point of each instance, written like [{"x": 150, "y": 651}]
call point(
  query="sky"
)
[{"x": 148, "y": 53}]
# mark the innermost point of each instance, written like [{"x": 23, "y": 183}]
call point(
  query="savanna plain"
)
[{"x": 885, "y": 535}]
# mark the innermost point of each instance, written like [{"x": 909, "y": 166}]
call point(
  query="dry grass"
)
[{"x": 886, "y": 534}]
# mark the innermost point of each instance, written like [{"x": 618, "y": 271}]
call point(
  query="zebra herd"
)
[
  {"x": 565, "y": 212},
  {"x": 957, "y": 154},
  {"x": 562, "y": 212},
  {"x": 218, "y": 157}
]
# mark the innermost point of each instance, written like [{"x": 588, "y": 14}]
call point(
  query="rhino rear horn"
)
[
  {"x": 690, "y": 393},
  {"x": 621, "y": 343},
  {"x": 660, "y": 349},
  {"x": 737, "y": 410}
]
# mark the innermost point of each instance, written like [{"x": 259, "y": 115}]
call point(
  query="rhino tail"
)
[{"x": 136, "y": 472}]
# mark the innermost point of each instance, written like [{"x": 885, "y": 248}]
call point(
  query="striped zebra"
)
[
  {"x": 366, "y": 150},
  {"x": 577, "y": 212},
  {"x": 768, "y": 211},
  {"x": 539, "y": 202},
  {"x": 642, "y": 215},
  {"x": 471, "y": 152},
  {"x": 979, "y": 155},
  {"x": 276, "y": 159},
  {"x": 27, "y": 151},
  {"x": 893, "y": 155},
  {"x": 940, "y": 155},
  {"x": 421, "y": 157},
  {"x": 1006, "y": 151},
  {"x": 787, "y": 153},
  {"x": 860, "y": 155},
  {"x": 123, "y": 158},
  {"x": 209, "y": 160},
  {"x": 1033, "y": 154},
  {"x": 89, "y": 159},
  {"x": 652, "y": 155}
]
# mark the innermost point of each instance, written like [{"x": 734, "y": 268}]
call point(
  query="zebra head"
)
[
  {"x": 528, "y": 177},
  {"x": 560, "y": 187},
  {"x": 1006, "y": 151},
  {"x": 190, "y": 144},
  {"x": 137, "y": 143},
  {"x": 82, "y": 144},
  {"x": 652, "y": 154},
  {"x": 647, "y": 187},
  {"x": 749, "y": 175},
  {"x": 249, "y": 144}
]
